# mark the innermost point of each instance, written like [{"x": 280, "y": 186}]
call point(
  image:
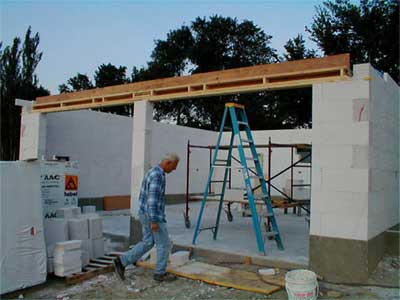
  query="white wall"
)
[
  {"x": 280, "y": 158},
  {"x": 171, "y": 138},
  {"x": 383, "y": 204},
  {"x": 355, "y": 188},
  {"x": 100, "y": 142}
]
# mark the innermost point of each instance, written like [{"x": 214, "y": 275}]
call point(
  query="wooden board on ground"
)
[
  {"x": 93, "y": 269},
  {"x": 222, "y": 276}
]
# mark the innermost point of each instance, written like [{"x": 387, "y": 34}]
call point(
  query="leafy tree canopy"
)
[
  {"x": 17, "y": 80},
  {"x": 368, "y": 31}
]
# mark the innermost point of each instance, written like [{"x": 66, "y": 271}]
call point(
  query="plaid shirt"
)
[{"x": 152, "y": 195}]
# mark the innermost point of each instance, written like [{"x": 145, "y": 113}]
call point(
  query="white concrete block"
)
[
  {"x": 55, "y": 230},
  {"x": 352, "y": 133},
  {"x": 87, "y": 247},
  {"x": 68, "y": 246},
  {"x": 95, "y": 227},
  {"x": 360, "y": 157},
  {"x": 360, "y": 110},
  {"x": 98, "y": 247},
  {"x": 88, "y": 209},
  {"x": 78, "y": 229},
  {"x": 85, "y": 258},
  {"x": 66, "y": 213},
  {"x": 76, "y": 212},
  {"x": 345, "y": 180},
  {"x": 68, "y": 257},
  {"x": 179, "y": 258}
]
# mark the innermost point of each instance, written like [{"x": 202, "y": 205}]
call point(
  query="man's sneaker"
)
[
  {"x": 164, "y": 277},
  {"x": 119, "y": 268}
]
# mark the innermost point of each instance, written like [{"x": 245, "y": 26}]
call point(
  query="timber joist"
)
[{"x": 293, "y": 74}]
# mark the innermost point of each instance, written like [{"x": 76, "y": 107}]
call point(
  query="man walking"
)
[{"x": 152, "y": 218}]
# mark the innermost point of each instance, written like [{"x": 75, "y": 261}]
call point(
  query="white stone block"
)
[
  {"x": 65, "y": 212},
  {"x": 179, "y": 258},
  {"x": 85, "y": 258},
  {"x": 67, "y": 258},
  {"x": 95, "y": 227},
  {"x": 352, "y": 133},
  {"x": 78, "y": 229},
  {"x": 345, "y": 180},
  {"x": 98, "y": 247},
  {"x": 360, "y": 159},
  {"x": 88, "y": 209},
  {"x": 68, "y": 245},
  {"x": 87, "y": 247},
  {"x": 76, "y": 212},
  {"x": 55, "y": 230}
]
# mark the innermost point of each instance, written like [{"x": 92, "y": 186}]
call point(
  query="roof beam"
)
[{"x": 292, "y": 74}]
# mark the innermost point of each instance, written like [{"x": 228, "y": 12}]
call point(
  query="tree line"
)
[{"x": 368, "y": 31}]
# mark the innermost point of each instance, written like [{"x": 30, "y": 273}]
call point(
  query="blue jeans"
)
[{"x": 159, "y": 238}]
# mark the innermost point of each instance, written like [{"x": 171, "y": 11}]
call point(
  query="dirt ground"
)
[{"x": 140, "y": 285}]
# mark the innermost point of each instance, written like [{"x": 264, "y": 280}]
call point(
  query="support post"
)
[{"x": 141, "y": 161}]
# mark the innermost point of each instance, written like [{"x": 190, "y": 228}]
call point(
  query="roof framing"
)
[{"x": 292, "y": 74}]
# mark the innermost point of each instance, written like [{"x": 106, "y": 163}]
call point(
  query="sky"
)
[{"x": 79, "y": 36}]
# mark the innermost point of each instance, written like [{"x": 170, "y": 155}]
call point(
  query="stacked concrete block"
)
[
  {"x": 76, "y": 212},
  {"x": 98, "y": 247},
  {"x": 78, "y": 229},
  {"x": 55, "y": 230},
  {"x": 87, "y": 209},
  {"x": 179, "y": 258},
  {"x": 65, "y": 213},
  {"x": 87, "y": 252},
  {"x": 67, "y": 258},
  {"x": 95, "y": 225}
]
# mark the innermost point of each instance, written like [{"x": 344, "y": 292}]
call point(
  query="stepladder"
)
[{"x": 242, "y": 141}]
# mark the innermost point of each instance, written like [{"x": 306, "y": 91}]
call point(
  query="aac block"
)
[
  {"x": 65, "y": 213},
  {"x": 78, "y": 229},
  {"x": 55, "y": 230},
  {"x": 179, "y": 258},
  {"x": 98, "y": 247},
  {"x": 95, "y": 227},
  {"x": 88, "y": 209}
]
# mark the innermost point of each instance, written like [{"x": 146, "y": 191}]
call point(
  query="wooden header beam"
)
[{"x": 292, "y": 74}]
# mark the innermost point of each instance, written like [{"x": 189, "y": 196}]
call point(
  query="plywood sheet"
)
[{"x": 222, "y": 276}]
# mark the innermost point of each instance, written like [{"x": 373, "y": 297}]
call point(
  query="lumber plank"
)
[
  {"x": 221, "y": 276},
  {"x": 291, "y": 74}
]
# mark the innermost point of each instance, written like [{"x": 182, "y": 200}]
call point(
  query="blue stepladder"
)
[{"x": 240, "y": 122}]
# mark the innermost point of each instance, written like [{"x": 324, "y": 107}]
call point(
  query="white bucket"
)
[{"x": 301, "y": 285}]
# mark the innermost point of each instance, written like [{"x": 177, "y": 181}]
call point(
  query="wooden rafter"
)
[{"x": 292, "y": 74}]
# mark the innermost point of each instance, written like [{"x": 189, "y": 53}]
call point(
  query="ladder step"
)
[
  {"x": 251, "y": 158},
  {"x": 227, "y": 167},
  {"x": 256, "y": 198},
  {"x": 221, "y": 160},
  {"x": 243, "y": 123},
  {"x": 208, "y": 228},
  {"x": 237, "y": 188},
  {"x": 256, "y": 177},
  {"x": 216, "y": 181},
  {"x": 271, "y": 234},
  {"x": 247, "y": 141}
]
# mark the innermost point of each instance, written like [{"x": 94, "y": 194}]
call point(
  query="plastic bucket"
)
[{"x": 301, "y": 285}]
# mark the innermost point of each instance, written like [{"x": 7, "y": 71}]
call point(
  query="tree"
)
[
  {"x": 79, "y": 82},
  {"x": 216, "y": 43},
  {"x": 296, "y": 49},
  {"x": 17, "y": 80},
  {"x": 368, "y": 31}
]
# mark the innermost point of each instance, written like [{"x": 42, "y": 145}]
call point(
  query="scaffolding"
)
[{"x": 284, "y": 200}]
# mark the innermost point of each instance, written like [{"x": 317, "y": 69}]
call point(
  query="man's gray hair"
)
[{"x": 170, "y": 157}]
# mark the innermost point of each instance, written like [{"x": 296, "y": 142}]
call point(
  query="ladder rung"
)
[
  {"x": 255, "y": 176},
  {"x": 256, "y": 198},
  {"x": 222, "y": 160},
  {"x": 271, "y": 233},
  {"x": 251, "y": 158},
  {"x": 247, "y": 141},
  {"x": 207, "y": 228},
  {"x": 227, "y": 167},
  {"x": 243, "y": 123},
  {"x": 237, "y": 188},
  {"x": 216, "y": 181}
]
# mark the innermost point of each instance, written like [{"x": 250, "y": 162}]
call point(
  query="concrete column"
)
[
  {"x": 353, "y": 177},
  {"x": 33, "y": 132},
  {"x": 142, "y": 126}
]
